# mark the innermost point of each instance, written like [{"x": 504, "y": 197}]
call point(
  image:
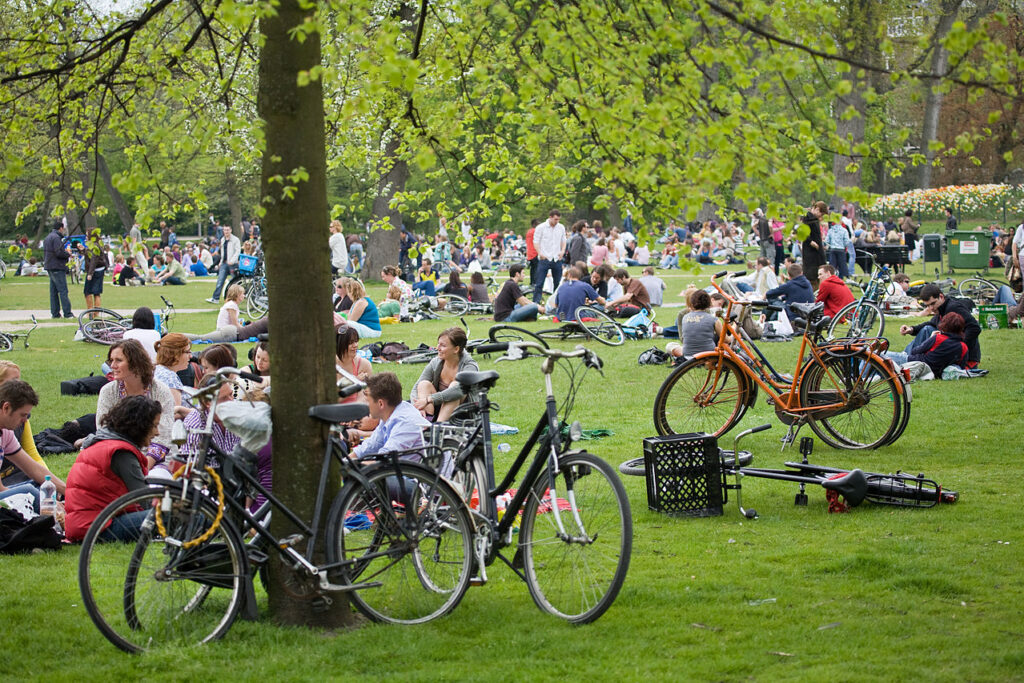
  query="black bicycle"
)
[
  {"x": 104, "y": 326},
  {"x": 397, "y": 539},
  {"x": 576, "y": 529},
  {"x": 589, "y": 323}
]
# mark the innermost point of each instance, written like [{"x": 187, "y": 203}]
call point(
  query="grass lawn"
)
[{"x": 797, "y": 594}]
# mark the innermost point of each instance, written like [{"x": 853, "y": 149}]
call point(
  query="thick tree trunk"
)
[
  {"x": 234, "y": 199},
  {"x": 382, "y": 244},
  {"x": 301, "y": 334},
  {"x": 932, "y": 96},
  {"x": 845, "y": 166},
  {"x": 123, "y": 212}
]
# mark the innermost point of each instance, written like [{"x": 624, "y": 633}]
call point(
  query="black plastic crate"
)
[{"x": 684, "y": 475}]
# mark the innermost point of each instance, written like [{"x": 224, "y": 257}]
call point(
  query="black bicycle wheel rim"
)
[
  {"x": 148, "y": 593},
  {"x": 863, "y": 381},
  {"x": 422, "y": 559},
  {"x": 6, "y": 343},
  {"x": 577, "y": 581},
  {"x": 510, "y": 333},
  {"x": 603, "y": 328},
  {"x": 702, "y": 395}
]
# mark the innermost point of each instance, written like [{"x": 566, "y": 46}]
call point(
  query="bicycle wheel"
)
[
  {"x": 150, "y": 591},
  {"x": 576, "y": 574},
  {"x": 455, "y": 305},
  {"x": 568, "y": 330},
  {"x": 6, "y": 343},
  {"x": 906, "y": 491},
  {"x": 509, "y": 333},
  {"x": 102, "y": 331},
  {"x": 98, "y": 314},
  {"x": 702, "y": 395},
  {"x": 873, "y": 404},
  {"x": 978, "y": 290},
  {"x": 256, "y": 301},
  {"x": 416, "y": 558},
  {"x": 857, "y": 320},
  {"x": 598, "y": 325}
]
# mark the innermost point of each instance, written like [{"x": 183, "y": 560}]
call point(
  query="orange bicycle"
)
[{"x": 850, "y": 396}]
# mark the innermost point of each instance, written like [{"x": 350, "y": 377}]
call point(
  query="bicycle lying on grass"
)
[
  {"x": 7, "y": 339},
  {"x": 576, "y": 529},
  {"x": 849, "y": 394},
  {"x": 397, "y": 539},
  {"x": 104, "y": 326},
  {"x": 844, "y": 488}
]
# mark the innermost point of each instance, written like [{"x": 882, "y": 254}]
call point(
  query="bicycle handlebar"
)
[{"x": 516, "y": 348}]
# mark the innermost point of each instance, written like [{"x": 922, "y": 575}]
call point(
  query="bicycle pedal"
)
[
  {"x": 321, "y": 604},
  {"x": 289, "y": 541},
  {"x": 477, "y": 581}
]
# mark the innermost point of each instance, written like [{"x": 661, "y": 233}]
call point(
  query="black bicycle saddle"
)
[
  {"x": 469, "y": 378},
  {"x": 808, "y": 311},
  {"x": 337, "y": 412},
  {"x": 853, "y": 486}
]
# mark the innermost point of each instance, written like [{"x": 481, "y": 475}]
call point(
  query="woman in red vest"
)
[{"x": 110, "y": 465}]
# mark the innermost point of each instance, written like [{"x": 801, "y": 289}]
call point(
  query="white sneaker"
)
[{"x": 211, "y": 300}]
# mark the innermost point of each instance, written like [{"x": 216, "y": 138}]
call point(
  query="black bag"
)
[
  {"x": 373, "y": 347},
  {"x": 653, "y": 356},
  {"x": 394, "y": 351},
  {"x": 90, "y": 385},
  {"x": 19, "y": 536}
]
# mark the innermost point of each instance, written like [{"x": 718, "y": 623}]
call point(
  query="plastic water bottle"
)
[
  {"x": 47, "y": 498},
  {"x": 504, "y": 448}
]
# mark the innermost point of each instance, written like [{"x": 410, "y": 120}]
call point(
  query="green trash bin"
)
[
  {"x": 933, "y": 248},
  {"x": 968, "y": 249}
]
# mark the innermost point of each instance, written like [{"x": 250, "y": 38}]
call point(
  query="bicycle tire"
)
[
  {"x": 421, "y": 559},
  {"x": 857, "y": 320},
  {"x": 577, "y": 580},
  {"x": 508, "y": 333},
  {"x": 634, "y": 467},
  {"x": 978, "y": 290},
  {"x": 149, "y": 593},
  {"x": 100, "y": 331},
  {"x": 598, "y": 325},
  {"x": 6, "y": 343},
  {"x": 95, "y": 313},
  {"x": 455, "y": 306},
  {"x": 869, "y": 385},
  {"x": 564, "y": 333},
  {"x": 257, "y": 303},
  {"x": 698, "y": 396}
]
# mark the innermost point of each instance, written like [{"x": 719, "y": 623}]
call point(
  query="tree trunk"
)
[
  {"x": 234, "y": 199},
  {"x": 383, "y": 242},
  {"x": 845, "y": 166},
  {"x": 123, "y": 212},
  {"x": 88, "y": 191},
  {"x": 932, "y": 97},
  {"x": 301, "y": 333}
]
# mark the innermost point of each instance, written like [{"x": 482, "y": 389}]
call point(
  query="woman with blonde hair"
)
[
  {"x": 363, "y": 316},
  {"x": 228, "y": 326},
  {"x": 339, "y": 251}
]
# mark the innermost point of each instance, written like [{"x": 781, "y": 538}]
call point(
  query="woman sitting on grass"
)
[
  {"x": 363, "y": 315},
  {"x": 110, "y": 465},
  {"x": 437, "y": 393}
]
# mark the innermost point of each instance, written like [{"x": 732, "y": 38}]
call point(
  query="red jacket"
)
[
  {"x": 834, "y": 292},
  {"x": 92, "y": 485}
]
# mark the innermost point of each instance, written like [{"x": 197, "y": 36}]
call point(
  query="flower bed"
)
[{"x": 984, "y": 201}]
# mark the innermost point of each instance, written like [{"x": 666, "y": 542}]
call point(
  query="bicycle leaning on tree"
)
[{"x": 397, "y": 539}]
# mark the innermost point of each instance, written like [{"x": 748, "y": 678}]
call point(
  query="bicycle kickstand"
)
[
  {"x": 806, "y": 447},
  {"x": 790, "y": 438}
]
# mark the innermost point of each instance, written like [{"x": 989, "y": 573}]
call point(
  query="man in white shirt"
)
[
  {"x": 1018, "y": 246},
  {"x": 230, "y": 248},
  {"x": 549, "y": 240}
]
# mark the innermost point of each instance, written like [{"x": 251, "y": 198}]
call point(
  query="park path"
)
[{"x": 17, "y": 319}]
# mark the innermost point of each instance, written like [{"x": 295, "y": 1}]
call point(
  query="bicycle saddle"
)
[
  {"x": 469, "y": 378},
  {"x": 336, "y": 412},
  {"x": 808, "y": 311},
  {"x": 853, "y": 486}
]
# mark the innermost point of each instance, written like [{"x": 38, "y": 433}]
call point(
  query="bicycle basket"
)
[
  {"x": 683, "y": 475},
  {"x": 247, "y": 264}
]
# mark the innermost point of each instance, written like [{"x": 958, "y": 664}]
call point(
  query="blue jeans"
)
[
  {"x": 521, "y": 312},
  {"x": 174, "y": 281},
  {"x": 27, "y": 487},
  {"x": 837, "y": 259},
  {"x": 1005, "y": 296},
  {"x": 427, "y": 287},
  {"x": 125, "y": 527},
  {"x": 926, "y": 332},
  {"x": 59, "y": 293},
  {"x": 222, "y": 277},
  {"x": 669, "y": 261},
  {"x": 543, "y": 267}
]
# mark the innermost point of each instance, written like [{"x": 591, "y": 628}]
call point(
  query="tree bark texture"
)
[
  {"x": 298, "y": 282},
  {"x": 382, "y": 244},
  {"x": 234, "y": 199},
  {"x": 933, "y": 97}
]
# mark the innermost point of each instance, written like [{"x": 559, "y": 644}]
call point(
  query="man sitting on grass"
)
[
  {"x": 832, "y": 290},
  {"x": 938, "y": 304}
]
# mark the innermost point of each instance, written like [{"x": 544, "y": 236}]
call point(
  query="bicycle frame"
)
[{"x": 785, "y": 395}]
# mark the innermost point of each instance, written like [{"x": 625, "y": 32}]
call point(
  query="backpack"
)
[
  {"x": 19, "y": 536},
  {"x": 653, "y": 356},
  {"x": 394, "y": 351},
  {"x": 374, "y": 348}
]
